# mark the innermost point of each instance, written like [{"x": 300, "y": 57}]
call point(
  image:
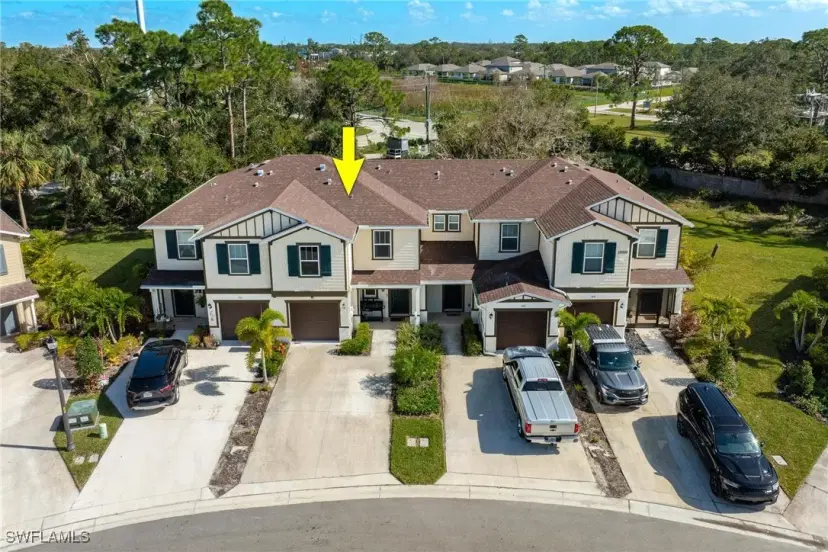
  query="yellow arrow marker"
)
[{"x": 348, "y": 167}]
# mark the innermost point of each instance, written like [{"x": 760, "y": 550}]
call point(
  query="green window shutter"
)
[
  {"x": 253, "y": 257},
  {"x": 293, "y": 260},
  {"x": 221, "y": 258},
  {"x": 325, "y": 259},
  {"x": 199, "y": 254},
  {"x": 661, "y": 243},
  {"x": 577, "y": 257},
  {"x": 172, "y": 244},
  {"x": 609, "y": 258}
]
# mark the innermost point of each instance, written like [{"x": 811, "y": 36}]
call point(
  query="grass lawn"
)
[
  {"x": 87, "y": 441},
  {"x": 415, "y": 465},
  {"x": 644, "y": 129},
  {"x": 111, "y": 255},
  {"x": 362, "y": 131},
  {"x": 762, "y": 268}
]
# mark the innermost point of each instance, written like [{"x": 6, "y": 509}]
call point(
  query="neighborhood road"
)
[
  {"x": 378, "y": 128},
  {"x": 420, "y": 524}
]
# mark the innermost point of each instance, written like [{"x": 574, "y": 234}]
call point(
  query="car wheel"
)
[
  {"x": 601, "y": 397},
  {"x": 715, "y": 485},
  {"x": 520, "y": 429},
  {"x": 682, "y": 430},
  {"x": 177, "y": 395}
]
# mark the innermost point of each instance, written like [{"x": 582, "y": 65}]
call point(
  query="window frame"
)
[
  {"x": 390, "y": 245},
  {"x": 4, "y": 263},
  {"x": 369, "y": 293},
  {"x": 230, "y": 259},
  {"x": 442, "y": 217},
  {"x": 318, "y": 260},
  {"x": 516, "y": 238},
  {"x": 641, "y": 242},
  {"x": 603, "y": 251},
  {"x": 186, "y": 243},
  {"x": 448, "y": 222}
]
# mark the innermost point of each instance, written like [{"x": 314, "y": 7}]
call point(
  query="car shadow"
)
[{"x": 488, "y": 403}]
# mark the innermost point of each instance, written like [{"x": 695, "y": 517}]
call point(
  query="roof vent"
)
[
  {"x": 322, "y": 167},
  {"x": 270, "y": 172},
  {"x": 379, "y": 167},
  {"x": 511, "y": 172},
  {"x": 566, "y": 168},
  {"x": 503, "y": 170},
  {"x": 250, "y": 166},
  {"x": 569, "y": 182},
  {"x": 213, "y": 183},
  {"x": 328, "y": 182},
  {"x": 260, "y": 172},
  {"x": 255, "y": 184},
  {"x": 438, "y": 175},
  {"x": 555, "y": 164}
]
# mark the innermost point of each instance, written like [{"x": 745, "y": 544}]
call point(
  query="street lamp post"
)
[{"x": 51, "y": 346}]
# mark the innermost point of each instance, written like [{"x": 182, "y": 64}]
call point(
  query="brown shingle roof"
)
[
  {"x": 167, "y": 278},
  {"x": 522, "y": 274},
  {"x": 656, "y": 277},
  {"x": 15, "y": 293},
  {"x": 447, "y": 260},
  {"x": 298, "y": 200},
  {"x": 9, "y": 226},
  {"x": 381, "y": 278}
]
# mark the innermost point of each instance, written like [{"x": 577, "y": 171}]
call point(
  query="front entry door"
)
[
  {"x": 649, "y": 306},
  {"x": 452, "y": 298},
  {"x": 184, "y": 302},
  {"x": 399, "y": 303}
]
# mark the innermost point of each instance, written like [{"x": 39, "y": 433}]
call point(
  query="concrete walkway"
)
[
  {"x": 35, "y": 481},
  {"x": 379, "y": 129},
  {"x": 808, "y": 510}
]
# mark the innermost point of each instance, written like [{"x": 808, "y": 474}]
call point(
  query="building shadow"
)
[{"x": 123, "y": 273}]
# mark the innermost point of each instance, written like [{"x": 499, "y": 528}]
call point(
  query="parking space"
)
[
  {"x": 174, "y": 449},
  {"x": 659, "y": 464},
  {"x": 481, "y": 429},
  {"x": 329, "y": 416}
]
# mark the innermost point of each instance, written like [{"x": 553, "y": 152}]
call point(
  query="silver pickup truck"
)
[{"x": 545, "y": 414}]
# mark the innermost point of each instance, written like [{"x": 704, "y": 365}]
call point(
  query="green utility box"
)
[{"x": 83, "y": 414}]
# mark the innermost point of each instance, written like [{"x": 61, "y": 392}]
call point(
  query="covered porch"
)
[
  {"x": 17, "y": 308},
  {"x": 177, "y": 297},
  {"x": 385, "y": 295},
  {"x": 656, "y": 296}
]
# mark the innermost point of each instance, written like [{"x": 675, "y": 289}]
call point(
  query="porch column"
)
[
  {"x": 422, "y": 305},
  {"x": 415, "y": 306},
  {"x": 33, "y": 314},
  {"x": 679, "y": 298},
  {"x": 156, "y": 303}
]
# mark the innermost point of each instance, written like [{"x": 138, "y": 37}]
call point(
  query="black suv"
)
[
  {"x": 154, "y": 381},
  {"x": 738, "y": 469}
]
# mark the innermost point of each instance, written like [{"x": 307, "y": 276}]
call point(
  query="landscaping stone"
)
[
  {"x": 93, "y": 458},
  {"x": 79, "y": 460},
  {"x": 424, "y": 442},
  {"x": 779, "y": 460},
  {"x": 411, "y": 441},
  {"x": 237, "y": 448}
]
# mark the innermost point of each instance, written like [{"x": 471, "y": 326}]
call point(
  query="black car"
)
[
  {"x": 739, "y": 472},
  {"x": 154, "y": 381}
]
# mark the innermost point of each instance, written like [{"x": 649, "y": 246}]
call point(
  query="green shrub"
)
[
  {"x": 414, "y": 365},
  {"x": 694, "y": 261},
  {"x": 28, "y": 341},
  {"x": 418, "y": 399},
  {"x": 751, "y": 209},
  {"x": 406, "y": 336},
  {"x": 118, "y": 353},
  {"x": 819, "y": 355},
  {"x": 722, "y": 368},
  {"x": 431, "y": 336},
  {"x": 809, "y": 405},
  {"x": 698, "y": 348},
  {"x": 66, "y": 346},
  {"x": 276, "y": 358},
  {"x": 472, "y": 344},
  {"x": 87, "y": 362},
  {"x": 255, "y": 388},
  {"x": 360, "y": 343},
  {"x": 800, "y": 378},
  {"x": 194, "y": 340}
]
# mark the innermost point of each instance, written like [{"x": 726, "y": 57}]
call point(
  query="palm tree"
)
[
  {"x": 576, "y": 327},
  {"x": 124, "y": 306},
  {"x": 21, "y": 166},
  {"x": 800, "y": 305},
  {"x": 262, "y": 335},
  {"x": 724, "y": 317}
]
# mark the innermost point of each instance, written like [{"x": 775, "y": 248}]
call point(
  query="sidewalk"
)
[{"x": 808, "y": 510}]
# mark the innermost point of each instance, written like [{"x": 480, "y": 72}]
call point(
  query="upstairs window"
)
[
  {"x": 647, "y": 244},
  {"x": 439, "y": 223},
  {"x": 237, "y": 255},
  {"x": 4, "y": 268},
  {"x": 382, "y": 244},
  {"x": 446, "y": 223},
  {"x": 186, "y": 248},
  {"x": 309, "y": 260},
  {"x": 509, "y": 237},
  {"x": 454, "y": 223},
  {"x": 593, "y": 258}
]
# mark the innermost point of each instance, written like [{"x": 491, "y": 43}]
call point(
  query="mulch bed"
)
[
  {"x": 605, "y": 466},
  {"x": 635, "y": 343}
]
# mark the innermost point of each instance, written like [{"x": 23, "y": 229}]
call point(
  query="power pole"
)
[
  {"x": 595, "y": 109},
  {"x": 428, "y": 109},
  {"x": 139, "y": 7}
]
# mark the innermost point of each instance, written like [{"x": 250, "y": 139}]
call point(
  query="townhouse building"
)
[{"x": 17, "y": 293}]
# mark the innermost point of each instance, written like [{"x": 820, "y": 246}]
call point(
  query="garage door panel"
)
[
  {"x": 605, "y": 310},
  {"x": 233, "y": 311},
  {"x": 314, "y": 320},
  {"x": 520, "y": 327}
]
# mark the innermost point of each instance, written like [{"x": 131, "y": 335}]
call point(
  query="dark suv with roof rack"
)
[
  {"x": 154, "y": 380},
  {"x": 739, "y": 472}
]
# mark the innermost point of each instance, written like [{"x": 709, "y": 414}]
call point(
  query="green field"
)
[
  {"x": 761, "y": 267},
  {"x": 644, "y": 129},
  {"x": 111, "y": 255}
]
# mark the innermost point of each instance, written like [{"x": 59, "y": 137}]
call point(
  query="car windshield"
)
[
  {"x": 616, "y": 360},
  {"x": 151, "y": 364},
  {"x": 542, "y": 386},
  {"x": 731, "y": 442}
]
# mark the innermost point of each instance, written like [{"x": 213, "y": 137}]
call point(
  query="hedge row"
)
[
  {"x": 472, "y": 344},
  {"x": 360, "y": 344}
]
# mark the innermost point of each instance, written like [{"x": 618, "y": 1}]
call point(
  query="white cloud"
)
[
  {"x": 469, "y": 6},
  {"x": 550, "y": 11},
  {"x": 327, "y": 16},
  {"x": 277, "y": 15},
  {"x": 420, "y": 11},
  {"x": 703, "y": 7},
  {"x": 365, "y": 14},
  {"x": 607, "y": 10},
  {"x": 472, "y": 17},
  {"x": 507, "y": 13},
  {"x": 26, "y": 14},
  {"x": 805, "y": 5}
]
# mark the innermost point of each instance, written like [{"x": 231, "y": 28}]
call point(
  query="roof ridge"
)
[
  {"x": 500, "y": 193},
  {"x": 395, "y": 198}
]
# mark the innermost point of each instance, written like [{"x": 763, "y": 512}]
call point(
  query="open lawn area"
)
[
  {"x": 644, "y": 129},
  {"x": 111, "y": 255},
  {"x": 761, "y": 266}
]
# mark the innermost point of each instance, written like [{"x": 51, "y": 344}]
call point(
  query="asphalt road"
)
[{"x": 420, "y": 525}]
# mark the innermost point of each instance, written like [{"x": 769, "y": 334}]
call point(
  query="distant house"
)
[
  {"x": 470, "y": 71},
  {"x": 605, "y": 68},
  {"x": 446, "y": 70},
  {"x": 657, "y": 72},
  {"x": 564, "y": 74},
  {"x": 483, "y": 62},
  {"x": 420, "y": 70},
  {"x": 590, "y": 79},
  {"x": 526, "y": 74},
  {"x": 504, "y": 64}
]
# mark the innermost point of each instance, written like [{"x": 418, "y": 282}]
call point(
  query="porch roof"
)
[
  {"x": 15, "y": 293},
  {"x": 660, "y": 278},
  {"x": 447, "y": 260},
  {"x": 174, "y": 279},
  {"x": 522, "y": 274},
  {"x": 381, "y": 278}
]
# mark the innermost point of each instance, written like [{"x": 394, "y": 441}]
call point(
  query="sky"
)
[{"x": 47, "y": 22}]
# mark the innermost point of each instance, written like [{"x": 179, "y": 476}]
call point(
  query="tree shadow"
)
[
  {"x": 378, "y": 386},
  {"x": 205, "y": 379}
]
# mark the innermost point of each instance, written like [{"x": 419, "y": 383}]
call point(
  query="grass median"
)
[{"x": 417, "y": 465}]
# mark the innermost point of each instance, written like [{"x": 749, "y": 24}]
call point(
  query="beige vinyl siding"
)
[
  {"x": 466, "y": 232},
  {"x": 163, "y": 262},
  {"x": 14, "y": 262},
  {"x": 547, "y": 252},
  {"x": 406, "y": 248},
  {"x": 489, "y": 249},
  {"x": 669, "y": 261},
  {"x": 216, "y": 281},
  {"x": 279, "y": 263},
  {"x": 563, "y": 269}
]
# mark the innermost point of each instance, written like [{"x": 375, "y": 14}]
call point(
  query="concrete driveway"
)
[
  {"x": 173, "y": 450},
  {"x": 481, "y": 430},
  {"x": 659, "y": 464},
  {"x": 327, "y": 417},
  {"x": 35, "y": 481}
]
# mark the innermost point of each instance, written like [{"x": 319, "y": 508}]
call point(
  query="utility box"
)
[
  {"x": 82, "y": 414},
  {"x": 396, "y": 148}
]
